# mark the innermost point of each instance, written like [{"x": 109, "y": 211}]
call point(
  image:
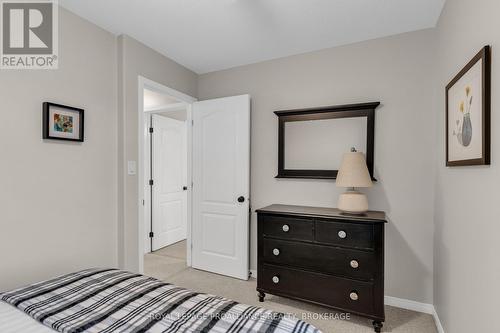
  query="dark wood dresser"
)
[{"x": 322, "y": 256}]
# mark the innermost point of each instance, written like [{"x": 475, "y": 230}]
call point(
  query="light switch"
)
[{"x": 132, "y": 168}]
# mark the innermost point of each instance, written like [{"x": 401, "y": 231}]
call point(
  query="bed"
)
[{"x": 112, "y": 300}]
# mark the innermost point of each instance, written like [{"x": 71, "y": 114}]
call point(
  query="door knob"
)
[
  {"x": 184, "y": 188},
  {"x": 241, "y": 199}
]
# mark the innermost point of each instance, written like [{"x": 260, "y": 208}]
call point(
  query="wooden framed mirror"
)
[{"x": 311, "y": 142}]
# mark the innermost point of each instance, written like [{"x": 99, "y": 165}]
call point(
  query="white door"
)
[
  {"x": 221, "y": 175},
  {"x": 169, "y": 161}
]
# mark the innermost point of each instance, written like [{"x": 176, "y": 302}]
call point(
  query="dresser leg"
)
[
  {"x": 377, "y": 326},
  {"x": 261, "y": 296}
]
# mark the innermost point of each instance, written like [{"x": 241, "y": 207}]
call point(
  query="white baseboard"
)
[
  {"x": 438, "y": 322},
  {"x": 415, "y": 306},
  {"x": 409, "y": 305}
]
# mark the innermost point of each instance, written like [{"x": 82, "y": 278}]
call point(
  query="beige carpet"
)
[
  {"x": 177, "y": 250},
  {"x": 172, "y": 269}
]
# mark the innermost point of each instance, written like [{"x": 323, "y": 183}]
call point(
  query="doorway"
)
[
  {"x": 168, "y": 160},
  {"x": 164, "y": 172},
  {"x": 168, "y": 172},
  {"x": 209, "y": 188}
]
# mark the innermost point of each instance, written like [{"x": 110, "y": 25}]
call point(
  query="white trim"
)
[
  {"x": 409, "y": 305},
  {"x": 189, "y": 143},
  {"x": 415, "y": 306},
  {"x": 140, "y": 172},
  {"x": 147, "y": 195},
  {"x": 167, "y": 107},
  {"x": 254, "y": 273},
  {"x": 187, "y": 100},
  {"x": 439, "y": 326}
]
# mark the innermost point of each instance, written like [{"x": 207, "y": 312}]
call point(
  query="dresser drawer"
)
[
  {"x": 344, "y": 262},
  {"x": 288, "y": 227},
  {"x": 354, "y": 235},
  {"x": 339, "y": 292}
]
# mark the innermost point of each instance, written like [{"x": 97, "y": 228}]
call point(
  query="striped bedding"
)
[{"x": 111, "y": 300}]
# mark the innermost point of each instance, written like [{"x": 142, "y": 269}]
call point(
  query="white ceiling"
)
[{"x": 209, "y": 35}]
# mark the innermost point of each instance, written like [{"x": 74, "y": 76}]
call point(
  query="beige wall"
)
[
  {"x": 58, "y": 200},
  {"x": 395, "y": 71},
  {"x": 467, "y": 268},
  {"x": 136, "y": 59}
]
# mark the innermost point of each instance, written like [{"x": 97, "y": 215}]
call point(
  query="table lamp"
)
[{"x": 353, "y": 173}]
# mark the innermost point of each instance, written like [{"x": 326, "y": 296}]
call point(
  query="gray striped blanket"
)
[{"x": 111, "y": 300}]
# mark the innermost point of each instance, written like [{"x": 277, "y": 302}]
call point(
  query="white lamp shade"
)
[{"x": 353, "y": 171}]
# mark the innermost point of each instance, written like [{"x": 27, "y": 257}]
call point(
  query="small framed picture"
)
[
  {"x": 468, "y": 108},
  {"x": 62, "y": 122}
]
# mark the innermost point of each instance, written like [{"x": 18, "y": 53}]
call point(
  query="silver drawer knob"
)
[
  {"x": 342, "y": 234},
  {"x": 354, "y": 264},
  {"x": 276, "y": 252},
  {"x": 286, "y": 228},
  {"x": 354, "y": 296},
  {"x": 276, "y": 279}
]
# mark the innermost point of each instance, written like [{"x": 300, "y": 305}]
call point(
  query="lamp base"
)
[{"x": 353, "y": 202}]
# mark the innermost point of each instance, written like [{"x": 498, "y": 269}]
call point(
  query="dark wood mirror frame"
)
[{"x": 330, "y": 112}]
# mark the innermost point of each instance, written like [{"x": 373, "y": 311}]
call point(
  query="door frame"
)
[{"x": 144, "y": 203}]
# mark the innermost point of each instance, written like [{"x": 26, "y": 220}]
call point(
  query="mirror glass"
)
[{"x": 320, "y": 144}]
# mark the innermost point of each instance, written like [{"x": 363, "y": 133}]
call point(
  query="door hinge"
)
[
  {"x": 151, "y": 234},
  {"x": 151, "y": 130},
  {"x": 151, "y": 182}
]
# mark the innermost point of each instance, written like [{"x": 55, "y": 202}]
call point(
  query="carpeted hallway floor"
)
[{"x": 169, "y": 264}]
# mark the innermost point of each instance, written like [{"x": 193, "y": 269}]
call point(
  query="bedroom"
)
[{"x": 77, "y": 205}]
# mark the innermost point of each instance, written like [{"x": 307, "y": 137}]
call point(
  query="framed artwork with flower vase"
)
[{"x": 468, "y": 108}]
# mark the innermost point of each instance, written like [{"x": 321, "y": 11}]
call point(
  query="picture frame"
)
[
  {"x": 62, "y": 122},
  {"x": 468, "y": 113}
]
